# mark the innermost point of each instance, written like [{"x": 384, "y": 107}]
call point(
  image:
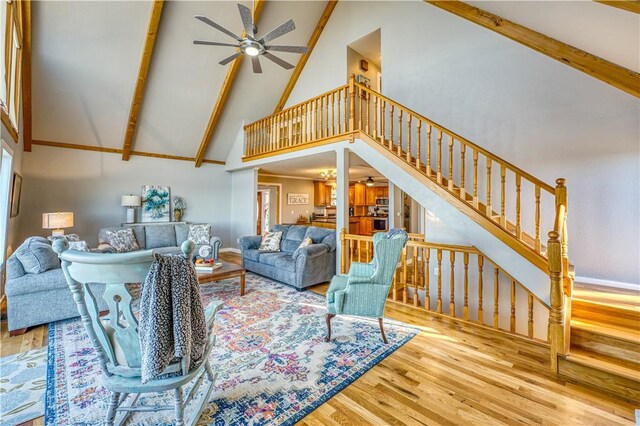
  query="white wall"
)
[
  {"x": 297, "y": 186},
  {"x": 539, "y": 114},
  {"x": 243, "y": 208},
  {"x": 90, "y": 185}
]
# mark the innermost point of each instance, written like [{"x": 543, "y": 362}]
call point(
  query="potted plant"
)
[{"x": 179, "y": 205}]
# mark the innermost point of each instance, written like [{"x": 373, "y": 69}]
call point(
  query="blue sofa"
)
[{"x": 297, "y": 266}]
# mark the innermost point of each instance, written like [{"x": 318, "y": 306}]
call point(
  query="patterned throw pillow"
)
[
  {"x": 78, "y": 246},
  {"x": 271, "y": 241},
  {"x": 68, "y": 237},
  {"x": 306, "y": 242},
  {"x": 123, "y": 240},
  {"x": 199, "y": 234}
]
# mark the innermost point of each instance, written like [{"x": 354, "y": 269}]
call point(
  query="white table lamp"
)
[
  {"x": 57, "y": 221},
  {"x": 131, "y": 202}
]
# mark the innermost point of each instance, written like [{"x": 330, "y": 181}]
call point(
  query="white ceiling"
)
[
  {"x": 310, "y": 167},
  {"x": 86, "y": 57},
  {"x": 369, "y": 47}
]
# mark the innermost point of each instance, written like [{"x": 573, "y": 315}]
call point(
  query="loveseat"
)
[
  {"x": 294, "y": 265},
  {"x": 162, "y": 238}
]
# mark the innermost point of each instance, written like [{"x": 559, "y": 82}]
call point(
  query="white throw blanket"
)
[{"x": 172, "y": 322}]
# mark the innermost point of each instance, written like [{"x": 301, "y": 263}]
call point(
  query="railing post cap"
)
[
  {"x": 553, "y": 235},
  {"x": 560, "y": 181}
]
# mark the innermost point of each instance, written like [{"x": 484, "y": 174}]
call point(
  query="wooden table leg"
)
[{"x": 242, "y": 284}]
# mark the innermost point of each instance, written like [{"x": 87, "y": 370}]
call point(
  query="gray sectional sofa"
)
[{"x": 297, "y": 266}]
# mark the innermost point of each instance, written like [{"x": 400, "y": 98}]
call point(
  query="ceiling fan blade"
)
[
  {"x": 291, "y": 49},
  {"x": 256, "y": 65},
  {"x": 284, "y": 64},
  {"x": 278, "y": 31},
  {"x": 230, "y": 58},
  {"x": 214, "y": 43},
  {"x": 216, "y": 26},
  {"x": 247, "y": 21}
]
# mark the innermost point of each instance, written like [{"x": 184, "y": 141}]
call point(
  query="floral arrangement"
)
[{"x": 179, "y": 203}]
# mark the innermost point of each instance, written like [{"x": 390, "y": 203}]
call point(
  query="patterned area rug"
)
[
  {"x": 22, "y": 386},
  {"x": 273, "y": 364}
]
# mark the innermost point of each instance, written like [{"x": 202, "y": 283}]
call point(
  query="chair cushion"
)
[
  {"x": 270, "y": 258},
  {"x": 322, "y": 235},
  {"x": 294, "y": 237},
  {"x": 52, "y": 279},
  {"x": 182, "y": 233},
  {"x": 271, "y": 241},
  {"x": 160, "y": 236},
  {"x": 123, "y": 240},
  {"x": 200, "y": 234},
  {"x": 286, "y": 262},
  {"x": 252, "y": 254},
  {"x": 37, "y": 256}
]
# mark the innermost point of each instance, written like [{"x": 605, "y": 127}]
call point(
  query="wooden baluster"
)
[
  {"x": 465, "y": 308},
  {"x": 518, "y": 214},
  {"x": 322, "y": 124},
  {"x": 361, "y": 96},
  {"x": 346, "y": 110},
  {"x": 368, "y": 103},
  {"x": 463, "y": 191},
  {"x": 403, "y": 259},
  {"x": 496, "y": 298},
  {"x": 475, "y": 178},
  {"x": 557, "y": 342},
  {"x": 333, "y": 114},
  {"x": 339, "y": 119},
  {"x": 537, "y": 220},
  {"x": 408, "y": 138},
  {"x": 343, "y": 252},
  {"x": 391, "y": 127},
  {"x": 530, "y": 316},
  {"x": 289, "y": 118},
  {"x": 359, "y": 251},
  {"x": 352, "y": 114},
  {"x": 428, "y": 159},
  {"x": 327, "y": 123},
  {"x": 489, "y": 210},
  {"x": 418, "y": 143},
  {"x": 503, "y": 200},
  {"x": 303, "y": 121},
  {"x": 450, "y": 183},
  {"x": 439, "y": 158},
  {"x": 400, "y": 133},
  {"x": 452, "y": 296},
  {"x": 416, "y": 251},
  {"x": 375, "y": 118},
  {"x": 480, "y": 290},
  {"x": 439, "y": 305},
  {"x": 427, "y": 299},
  {"x": 512, "y": 319}
]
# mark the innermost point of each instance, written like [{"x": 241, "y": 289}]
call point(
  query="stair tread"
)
[
  {"x": 604, "y": 363},
  {"x": 622, "y": 298},
  {"x": 617, "y": 332},
  {"x": 626, "y": 310}
]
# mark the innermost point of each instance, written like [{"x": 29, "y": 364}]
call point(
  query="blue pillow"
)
[{"x": 37, "y": 256}]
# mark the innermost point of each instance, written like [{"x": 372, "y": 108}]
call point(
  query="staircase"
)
[
  {"x": 598, "y": 346},
  {"x": 605, "y": 341}
]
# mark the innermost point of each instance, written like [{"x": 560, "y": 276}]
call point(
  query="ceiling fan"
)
[{"x": 252, "y": 46}]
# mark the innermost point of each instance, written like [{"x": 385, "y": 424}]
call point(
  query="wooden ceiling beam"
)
[
  {"x": 322, "y": 22},
  {"x": 225, "y": 90},
  {"x": 608, "y": 72},
  {"x": 628, "y": 5},
  {"x": 141, "y": 81},
  {"x": 26, "y": 77}
]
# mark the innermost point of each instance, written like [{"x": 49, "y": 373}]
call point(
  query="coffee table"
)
[{"x": 227, "y": 270}]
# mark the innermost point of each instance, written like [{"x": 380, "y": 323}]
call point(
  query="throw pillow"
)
[
  {"x": 271, "y": 241},
  {"x": 123, "y": 240},
  {"x": 199, "y": 234},
  {"x": 37, "y": 256},
  {"x": 306, "y": 242},
  {"x": 68, "y": 237},
  {"x": 78, "y": 246}
]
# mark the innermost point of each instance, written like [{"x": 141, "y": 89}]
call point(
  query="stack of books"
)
[{"x": 208, "y": 268}]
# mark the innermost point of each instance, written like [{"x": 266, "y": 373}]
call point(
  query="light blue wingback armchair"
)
[{"x": 363, "y": 292}]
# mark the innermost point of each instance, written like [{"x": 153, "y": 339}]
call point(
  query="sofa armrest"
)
[
  {"x": 311, "y": 251},
  {"x": 250, "y": 242},
  {"x": 216, "y": 243}
]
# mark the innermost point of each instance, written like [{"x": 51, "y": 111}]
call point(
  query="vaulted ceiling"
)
[{"x": 86, "y": 57}]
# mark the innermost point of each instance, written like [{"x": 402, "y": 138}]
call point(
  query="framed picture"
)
[
  {"x": 16, "y": 191},
  {"x": 155, "y": 203},
  {"x": 364, "y": 65},
  {"x": 297, "y": 199}
]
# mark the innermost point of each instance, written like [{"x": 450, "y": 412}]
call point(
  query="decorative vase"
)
[{"x": 177, "y": 215}]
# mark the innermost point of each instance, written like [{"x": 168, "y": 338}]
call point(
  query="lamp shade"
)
[
  {"x": 57, "y": 220},
  {"x": 130, "y": 201}
]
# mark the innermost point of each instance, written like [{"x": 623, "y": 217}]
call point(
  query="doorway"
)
[{"x": 268, "y": 206}]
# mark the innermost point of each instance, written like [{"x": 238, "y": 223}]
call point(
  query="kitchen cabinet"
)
[
  {"x": 370, "y": 195},
  {"x": 382, "y": 191},
  {"x": 359, "y": 197},
  {"x": 321, "y": 193},
  {"x": 366, "y": 226},
  {"x": 352, "y": 194}
]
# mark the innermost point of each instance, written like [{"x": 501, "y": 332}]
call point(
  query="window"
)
[
  {"x": 6, "y": 159},
  {"x": 12, "y": 64}
]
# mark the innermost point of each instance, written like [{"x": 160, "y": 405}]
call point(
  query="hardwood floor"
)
[{"x": 448, "y": 375}]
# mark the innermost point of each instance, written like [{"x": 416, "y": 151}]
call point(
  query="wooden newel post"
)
[
  {"x": 352, "y": 107},
  {"x": 561, "y": 199},
  {"x": 556, "y": 313},
  {"x": 343, "y": 252}
]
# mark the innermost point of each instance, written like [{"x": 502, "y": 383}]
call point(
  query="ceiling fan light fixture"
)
[
  {"x": 252, "y": 51},
  {"x": 369, "y": 181}
]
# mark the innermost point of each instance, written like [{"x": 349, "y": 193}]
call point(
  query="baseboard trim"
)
[
  {"x": 229, "y": 250},
  {"x": 607, "y": 283}
]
